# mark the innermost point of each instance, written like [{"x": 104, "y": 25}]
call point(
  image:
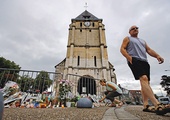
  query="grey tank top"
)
[{"x": 137, "y": 48}]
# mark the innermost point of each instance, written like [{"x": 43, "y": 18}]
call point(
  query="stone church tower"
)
[{"x": 87, "y": 50}]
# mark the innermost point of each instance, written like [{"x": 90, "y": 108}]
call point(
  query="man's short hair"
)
[{"x": 131, "y": 27}]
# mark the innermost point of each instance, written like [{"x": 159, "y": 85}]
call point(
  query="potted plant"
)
[
  {"x": 64, "y": 90},
  {"x": 74, "y": 100},
  {"x": 68, "y": 103}
]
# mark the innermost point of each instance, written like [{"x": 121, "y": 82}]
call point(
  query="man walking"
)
[{"x": 135, "y": 51}]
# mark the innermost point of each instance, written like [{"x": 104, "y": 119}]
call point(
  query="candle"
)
[{"x": 62, "y": 106}]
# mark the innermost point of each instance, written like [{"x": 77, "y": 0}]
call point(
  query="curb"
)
[{"x": 118, "y": 114}]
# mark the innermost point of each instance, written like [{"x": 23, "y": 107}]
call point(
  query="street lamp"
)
[{"x": 167, "y": 70}]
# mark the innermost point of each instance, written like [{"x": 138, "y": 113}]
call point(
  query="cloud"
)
[{"x": 34, "y": 34}]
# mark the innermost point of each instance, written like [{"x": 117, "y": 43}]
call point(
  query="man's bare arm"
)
[
  {"x": 123, "y": 49},
  {"x": 152, "y": 53}
]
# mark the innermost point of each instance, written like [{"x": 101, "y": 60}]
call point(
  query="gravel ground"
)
[
  {"x": 71, "y": 113},
  {"x": 137, "y": 111}
]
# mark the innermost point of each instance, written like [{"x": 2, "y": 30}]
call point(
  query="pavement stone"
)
[
  {"x": 136, "y": 110},
  {"x": 118, "y": 114},
  {"x": 124, "y": 115},
  {"x": 110, "y": 114},
  {"x": 126, "y": 112}
]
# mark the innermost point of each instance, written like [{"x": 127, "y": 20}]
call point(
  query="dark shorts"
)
[
  {"x": 111, "y": 95},
  {"x": 139, "y": 68}
]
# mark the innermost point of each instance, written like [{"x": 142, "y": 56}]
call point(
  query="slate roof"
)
[{"x": 86, "y": 16}]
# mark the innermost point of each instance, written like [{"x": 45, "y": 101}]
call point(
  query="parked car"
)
[{"x": 164, "y": 100}]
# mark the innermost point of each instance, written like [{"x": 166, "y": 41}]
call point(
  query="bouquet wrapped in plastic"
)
[{"x": 10, "y": 89}]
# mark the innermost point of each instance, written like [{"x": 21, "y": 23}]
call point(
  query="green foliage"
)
[
  {"x": 8, "y": 64},
  {"x": 75, "y": 99},
  {"x": 6, "y": 75},
  {"x": 42, "y": 81},
  {"x": 165, "y": 83},
  {"x": 26, "y": 83},
  {"x": 64, "y": 88}
]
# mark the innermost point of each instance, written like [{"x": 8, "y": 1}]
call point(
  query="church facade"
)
[{"x": 87, "y": 54}]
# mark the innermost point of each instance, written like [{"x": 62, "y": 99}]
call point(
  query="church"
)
[{"x": 87, "y": 55}]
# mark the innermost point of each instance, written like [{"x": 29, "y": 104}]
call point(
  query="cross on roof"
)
[{"x": 86, "y": 6}]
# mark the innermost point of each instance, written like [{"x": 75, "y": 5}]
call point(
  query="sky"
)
[{"x": 34, "y": 33}]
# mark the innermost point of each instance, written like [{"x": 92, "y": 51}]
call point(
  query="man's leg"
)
[
  {"x": 112, "y": 95},
  {"x": 118, "y": 102},
  {"x": 147, "y": 91},
  {"x": 145, "y": 99}
]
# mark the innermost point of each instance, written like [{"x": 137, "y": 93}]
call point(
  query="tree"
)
[
  {"x": 26, "y": 83},
  {"x": 165, "y": 83},
  {"x": 6, "y": 75},
  {"x": 42, "y": 81},
  {"x": 8, "y": 64}
]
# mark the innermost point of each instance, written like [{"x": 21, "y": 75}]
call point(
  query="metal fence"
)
[
  {"x": 28, "y": 80},
  {"x": 25, "y": 84}
]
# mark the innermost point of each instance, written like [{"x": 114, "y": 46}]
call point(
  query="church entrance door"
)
[{"x": 86, "y": 85}]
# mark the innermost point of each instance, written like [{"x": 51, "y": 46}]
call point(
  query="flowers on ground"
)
[{"x": 64, "y": 89}]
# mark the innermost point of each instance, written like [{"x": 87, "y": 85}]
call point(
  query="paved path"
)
[
  {"x": 118, "y": 114},
  {"x": 126, "y": 112}
]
